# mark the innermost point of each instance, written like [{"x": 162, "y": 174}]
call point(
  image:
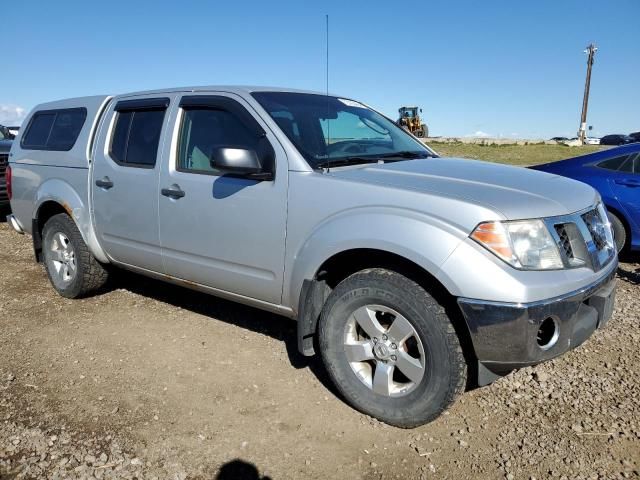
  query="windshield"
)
[{"x": 330, "y": 131}]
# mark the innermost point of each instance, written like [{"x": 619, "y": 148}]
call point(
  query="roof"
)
[
  {"x": 224, "y": 88},
  {"x": 238, "y": 89}
]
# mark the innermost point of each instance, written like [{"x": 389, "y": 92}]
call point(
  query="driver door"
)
[{"x": 225, "y": 232}]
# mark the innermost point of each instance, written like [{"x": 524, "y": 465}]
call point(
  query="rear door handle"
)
[
  {"x": 174, "y": 191},
  {"x": 104, "y": 182},
  {"x": 628, "y": 182}
]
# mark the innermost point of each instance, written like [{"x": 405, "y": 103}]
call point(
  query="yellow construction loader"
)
[{"x": 410, "y": 120}]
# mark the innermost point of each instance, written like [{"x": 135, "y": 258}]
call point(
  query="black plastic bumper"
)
[{"x": 505, "y": 335}]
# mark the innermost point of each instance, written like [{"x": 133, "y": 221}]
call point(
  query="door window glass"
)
[
  {"x": 203, "y": 131},
  {"x": 136, "y": 137}
]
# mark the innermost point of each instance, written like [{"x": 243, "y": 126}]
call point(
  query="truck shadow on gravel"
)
[
  {"x": 249, "y": 318},
  {"x": 631, "y": 277},
  {"x": 239, "y": 469}
]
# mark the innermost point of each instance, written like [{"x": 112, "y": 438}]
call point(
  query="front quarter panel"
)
[{"x": 328, "y": 216}]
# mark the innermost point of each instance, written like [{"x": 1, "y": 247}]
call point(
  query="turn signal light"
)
[{"x": 493, "y": 235}]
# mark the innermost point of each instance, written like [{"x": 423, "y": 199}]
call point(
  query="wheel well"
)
[
  {"x": 45, "y": 212},
  {"x": 623, "y": 220},
  {"x": 346, "y": 263}
]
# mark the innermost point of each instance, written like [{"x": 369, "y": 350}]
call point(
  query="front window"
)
[
  {"x": 332, "y": 131},
  {"x": 204, "y": 130}
]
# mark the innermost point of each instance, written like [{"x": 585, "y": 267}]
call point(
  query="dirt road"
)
[{"x": 148, "y": 380}]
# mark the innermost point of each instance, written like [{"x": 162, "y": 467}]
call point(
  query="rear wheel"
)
[
  {"x": 619, "y": 232},
  {"x": 390, "y": 348},
  {"x": 72, "y": 269}
]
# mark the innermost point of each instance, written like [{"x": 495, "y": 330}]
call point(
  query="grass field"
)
[{"x": 513, "y": 154}]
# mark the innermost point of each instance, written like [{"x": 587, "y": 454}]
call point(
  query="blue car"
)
[{"x": 615, "y": 173}]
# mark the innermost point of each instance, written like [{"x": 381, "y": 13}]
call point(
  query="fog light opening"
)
[{"x": 547, "y": 334}]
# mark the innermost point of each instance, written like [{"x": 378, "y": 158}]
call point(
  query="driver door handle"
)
[
  {"x": 628, "y": 182},
  {"x": 104, "y": 182},
  {"x": 174, "y": 191}
]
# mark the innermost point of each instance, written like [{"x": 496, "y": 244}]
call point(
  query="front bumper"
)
[{"x": 505, "y": 335}]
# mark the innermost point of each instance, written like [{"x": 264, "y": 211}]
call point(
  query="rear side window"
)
[
  {"x": 136, "y": 135},
  {"x": 627, "y": 166},
  {"x": 55, "y": 130},
  {"x": 615, "y": 163}
]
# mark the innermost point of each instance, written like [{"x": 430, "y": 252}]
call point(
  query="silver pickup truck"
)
[{"x": 412, "y": 275}]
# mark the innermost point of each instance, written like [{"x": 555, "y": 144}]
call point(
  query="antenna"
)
[
  {"x": 327, "y": 62},
  {"x": 327, "y": 80}
]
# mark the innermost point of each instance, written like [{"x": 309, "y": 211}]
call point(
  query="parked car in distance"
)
[
  {"x": 635, "y": 136},
  {"x": 615, "y": 173},
  {"x": 616, "y": 139},
  {"x": 408, "y": 272},
  {"x": 592, "y": 141},
  {"x": 6, "y": 139}
]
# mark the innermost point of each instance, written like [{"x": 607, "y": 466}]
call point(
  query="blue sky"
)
[{"x": 500, "y": 68}]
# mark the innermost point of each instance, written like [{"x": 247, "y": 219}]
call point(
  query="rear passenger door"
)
[
  {"x": 124, "y": 180},
  {"x": 226, "y": 232},
  {"x": 625, "y": 184}
]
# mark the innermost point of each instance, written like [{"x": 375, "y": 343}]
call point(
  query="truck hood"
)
[{"x": 514, "y": 192}]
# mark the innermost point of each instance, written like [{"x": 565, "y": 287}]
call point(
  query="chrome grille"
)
[
  {"x": 581, "y": 239},
  {"x": 564, "y": 241}
]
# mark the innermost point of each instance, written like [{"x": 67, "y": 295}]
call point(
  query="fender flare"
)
[
  {"x": 405, "y": 234},
  {"x": 58, "y": 191}
]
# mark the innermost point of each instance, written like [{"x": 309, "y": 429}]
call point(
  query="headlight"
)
[
  {"x": 607, "y": 230},
  {"x": 524, "y": 244}
]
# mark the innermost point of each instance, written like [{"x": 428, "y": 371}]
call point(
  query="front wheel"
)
[{"x": 390, "y": 348}]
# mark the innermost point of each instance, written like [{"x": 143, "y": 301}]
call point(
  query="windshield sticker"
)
[{"x": 351, "y": 103}]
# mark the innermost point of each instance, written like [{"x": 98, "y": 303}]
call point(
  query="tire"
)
[
  {"x": 619, "y": 232},
  {"x": 379, "y": 298},
  {"x": 72, "y": 269},
  {"x": 425, "y": 131}
]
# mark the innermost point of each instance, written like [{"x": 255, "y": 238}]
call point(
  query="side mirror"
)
[{"x": 236, "y": 160}]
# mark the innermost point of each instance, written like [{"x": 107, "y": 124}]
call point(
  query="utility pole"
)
[{"x": 591, "y": 52}]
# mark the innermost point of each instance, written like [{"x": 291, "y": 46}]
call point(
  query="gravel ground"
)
[{"x": 149, "y": 381}]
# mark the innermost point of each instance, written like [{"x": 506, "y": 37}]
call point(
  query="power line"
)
[{"x": 591, "y": 52}]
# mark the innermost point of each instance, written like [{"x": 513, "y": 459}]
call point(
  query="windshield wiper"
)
[
  {"x": 385, "y": 157},
  {"x": 405, "y": 154},
  {"x": 344, "y": 161}
]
